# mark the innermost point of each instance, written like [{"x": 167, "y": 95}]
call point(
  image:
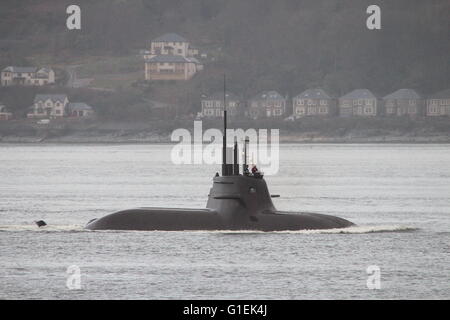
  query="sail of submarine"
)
[{"x": 236, "y": 201}]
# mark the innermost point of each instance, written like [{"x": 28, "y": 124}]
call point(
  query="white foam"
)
[
  {"x": 356, "y": 230},
  {"x": 348, "y": 230},
  {"x": 47, "y": 228}
]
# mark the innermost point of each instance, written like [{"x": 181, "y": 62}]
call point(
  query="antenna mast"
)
[{"x": 224, "y": 143}]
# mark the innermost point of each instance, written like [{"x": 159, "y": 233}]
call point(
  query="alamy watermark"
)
[
  {"x": 373, "y": 22},
  {"x": 73, "y": 21},
  {"x": 263, "y": 149},
  {"x": 73, "y": 281},
  {"x": 374, "y": 279}
]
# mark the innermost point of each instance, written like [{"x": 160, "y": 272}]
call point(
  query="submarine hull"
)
[{"x": 206, "y": 219}]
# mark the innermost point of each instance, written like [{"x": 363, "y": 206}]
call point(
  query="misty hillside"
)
[{"x": 286, "y": 45}]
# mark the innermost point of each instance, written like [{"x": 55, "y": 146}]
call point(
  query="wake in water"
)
[
  {"x": 348, "y": 230},
  {"x": 47, "y": 228},
  {"x": 357, "y": 230}
]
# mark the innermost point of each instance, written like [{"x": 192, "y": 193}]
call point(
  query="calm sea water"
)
[{"x": 398, "y": 195}]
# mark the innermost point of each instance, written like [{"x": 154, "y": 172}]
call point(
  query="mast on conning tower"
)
[
  {"x": 224, "y": 142},
  {"x": 228, "y": 169}
]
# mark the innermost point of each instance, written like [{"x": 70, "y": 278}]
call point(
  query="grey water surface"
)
[{"x": 397, "y": 194}]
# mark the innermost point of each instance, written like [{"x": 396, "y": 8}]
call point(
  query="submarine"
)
[{"x": 236, "y": 201}]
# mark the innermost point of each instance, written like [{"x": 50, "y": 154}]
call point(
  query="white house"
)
[
  {"x": 312, "y": 102},
  {"x": 170, "y": 44},
  {"x": 48, "y": 106},
  {"x": 171, "y": 58},
  {"x": 212, "y": 105},
  {"x": 359, "y": 103},
  {"x": 403, "y": 102},
  {"x": 438, "y": 104},
  {"x": 267, "y": 104},
  {"x": 27, "y": 76}
]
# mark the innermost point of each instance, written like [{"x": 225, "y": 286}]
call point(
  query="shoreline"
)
[
  {"x": 284, "y": 139},
  {"x": 308, "y": 131}
]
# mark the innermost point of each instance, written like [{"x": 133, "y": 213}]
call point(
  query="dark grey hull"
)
[{"x": 206, "y": 219}]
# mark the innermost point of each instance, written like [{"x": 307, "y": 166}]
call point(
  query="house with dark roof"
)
[
  {"x": 171, "y": 58},
  {"x": 403, "y": 102},
  {"x": 48, "y": 106},
  {"x": 212, "y": 105},
  {"x": 438, "y": 104},
  {"x": 79, "y": 110},
  {"x": 169, "y": 43},
  {"x": 26, "y": 76},
  {"x": 312, "y": 102},
  {"x": 359, "y": 102},
  {"x": 169, "y": 67},
  {"x": 4, "y": 113},
  {"x": 267, "y": 104}
]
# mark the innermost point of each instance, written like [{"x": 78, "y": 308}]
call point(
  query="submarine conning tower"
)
[{"x": 243, "y": 194}]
